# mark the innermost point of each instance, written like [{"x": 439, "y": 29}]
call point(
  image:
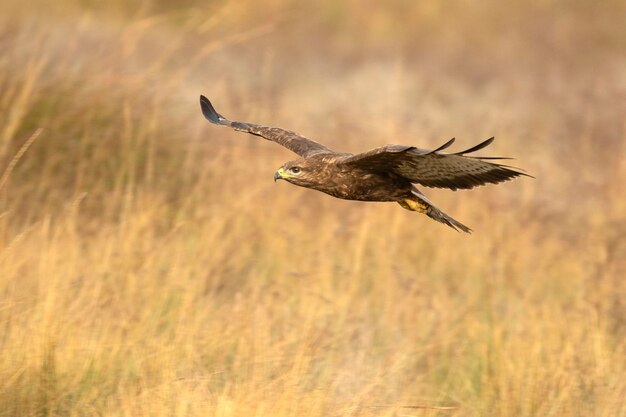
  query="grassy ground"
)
[{"x": 150, "y": 266}]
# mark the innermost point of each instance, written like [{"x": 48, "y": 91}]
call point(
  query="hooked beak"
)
[{"x": 278, "y": 175}]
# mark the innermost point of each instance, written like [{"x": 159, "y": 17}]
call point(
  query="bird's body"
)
[
  {"x": 342, "y": 181},
  {"x": 388, "y": 173}
]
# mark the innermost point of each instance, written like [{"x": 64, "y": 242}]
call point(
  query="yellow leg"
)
[{"x": 413, "y": 205}]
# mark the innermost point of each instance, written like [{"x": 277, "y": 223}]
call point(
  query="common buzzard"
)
[{"x": 387, "y": 173}]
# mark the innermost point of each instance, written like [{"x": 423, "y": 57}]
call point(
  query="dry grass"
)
[{"x": 150, "y": 266}]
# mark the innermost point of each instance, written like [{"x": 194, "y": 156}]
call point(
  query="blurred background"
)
[{"x": 149, "y": 265}]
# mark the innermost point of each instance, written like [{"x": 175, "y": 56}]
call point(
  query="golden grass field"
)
[{"x": 149, "y": 265}]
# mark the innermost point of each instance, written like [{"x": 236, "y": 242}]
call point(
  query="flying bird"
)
[{"x": 388, "y": 173}]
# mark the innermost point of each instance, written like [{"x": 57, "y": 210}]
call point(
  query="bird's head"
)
[{"x": 298, "y": 172}]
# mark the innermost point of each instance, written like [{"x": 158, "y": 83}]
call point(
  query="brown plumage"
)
[{"x": 387, "y": 173}]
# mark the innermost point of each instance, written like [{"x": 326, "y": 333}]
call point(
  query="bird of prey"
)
[{"x": 388, "y": 173}]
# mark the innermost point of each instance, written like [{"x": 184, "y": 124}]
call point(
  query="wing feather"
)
[
  {"x": 444, "y": 146},
  {"x": 298, "y": 144},
  {"x": 478, "y": 147},
  {"x": 436, "y": 169}
]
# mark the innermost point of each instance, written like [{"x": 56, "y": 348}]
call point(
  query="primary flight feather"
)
[{"x": 388, "y": 173}]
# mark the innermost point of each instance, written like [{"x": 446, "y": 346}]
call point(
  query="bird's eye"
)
[{"x": 295, "y": 170}]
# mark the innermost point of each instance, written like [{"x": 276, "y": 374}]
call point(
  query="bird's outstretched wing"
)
[
  {"x": 290, "y": 140},
  {"x": 435, "y": 168}
]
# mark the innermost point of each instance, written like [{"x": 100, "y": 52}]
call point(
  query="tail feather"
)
[
  {"x": 418, "y": 202},
  {"x": 436, "y": 214}
]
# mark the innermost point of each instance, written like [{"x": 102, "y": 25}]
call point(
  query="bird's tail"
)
[{"x": 418, "y": 202}]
